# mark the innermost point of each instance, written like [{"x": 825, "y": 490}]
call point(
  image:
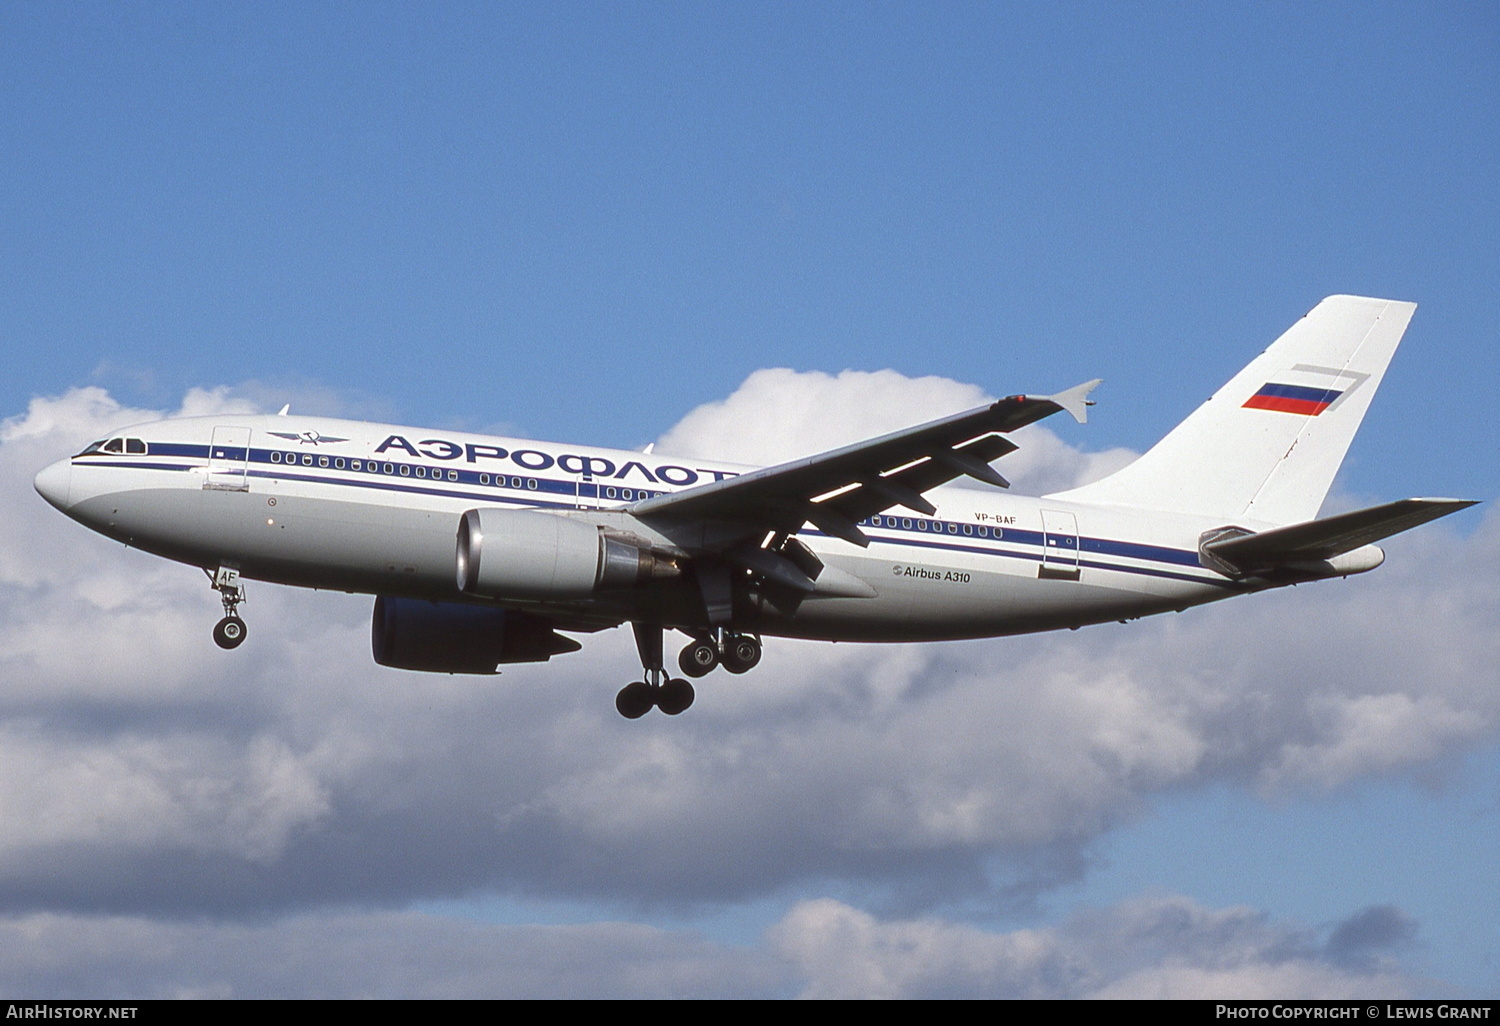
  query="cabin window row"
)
[
  {"x": 307, "y": 459},
  {"x": 934, "y": 526}
]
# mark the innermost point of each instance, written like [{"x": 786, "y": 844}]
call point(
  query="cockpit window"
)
[{"x": 124, "y": 446}]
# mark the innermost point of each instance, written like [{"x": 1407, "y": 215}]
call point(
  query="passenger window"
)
[
  {"x": 405, "y": 470},
  {"x": 307, "y": 459},
  {"x": 322, "y": 461},
  {"x": 275, "y": 457},
  {"x": 452, "y": 475},
  {"x": 421, "y": 471}
]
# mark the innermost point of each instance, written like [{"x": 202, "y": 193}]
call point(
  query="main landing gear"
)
[
  {"x": 657, "y": 690},
  {"x": 735, "y": 652},
  {"x": 230, "y": 631}
]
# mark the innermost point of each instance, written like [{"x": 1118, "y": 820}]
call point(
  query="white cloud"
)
[
  {"x": 1159, "y": 947},
  {"x": 780, "y": 414},
  {"x": 368, "y": 955},
  {"x": 1163, "y": 947},
  {"x": 869, "y": 760},
  {"x": 146, "y": 771},
  {"x": 191, "y": 793}
]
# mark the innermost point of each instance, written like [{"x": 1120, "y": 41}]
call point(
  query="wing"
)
[{"x": 835, "y": 490}]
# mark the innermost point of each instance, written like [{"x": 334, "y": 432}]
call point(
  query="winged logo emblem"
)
[{"x": 307, "y": 437}]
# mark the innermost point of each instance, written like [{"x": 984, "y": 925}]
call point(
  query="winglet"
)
[{"x": 1076, "y": 400}]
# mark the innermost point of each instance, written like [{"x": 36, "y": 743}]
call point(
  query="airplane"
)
[{"x": 484, "y": 551}]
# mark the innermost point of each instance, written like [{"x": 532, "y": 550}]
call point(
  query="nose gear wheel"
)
[{"x": 229, "y": 632}]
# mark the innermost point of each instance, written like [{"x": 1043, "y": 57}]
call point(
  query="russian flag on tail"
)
[{"x": 1292, "y": 399}]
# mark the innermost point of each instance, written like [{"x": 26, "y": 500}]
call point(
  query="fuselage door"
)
[
  {"x": 229, "y": 459},
  {"x": 1059, "y": 546}
]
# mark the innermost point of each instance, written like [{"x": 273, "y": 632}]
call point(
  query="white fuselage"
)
[{"x": 375, "y": 508}]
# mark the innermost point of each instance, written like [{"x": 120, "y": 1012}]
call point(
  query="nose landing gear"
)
[{"x": 230, "y": 631}]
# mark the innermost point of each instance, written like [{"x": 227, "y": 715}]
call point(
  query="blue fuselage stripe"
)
[{"x": 1032, "y": 543}]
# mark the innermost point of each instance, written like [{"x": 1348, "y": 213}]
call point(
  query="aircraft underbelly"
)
[
  {"x": 937, "y": 602},
  {"x": 397, "y": 550}
]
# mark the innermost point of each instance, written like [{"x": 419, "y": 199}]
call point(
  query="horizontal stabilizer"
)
[{"x": 1324, "y": 539}]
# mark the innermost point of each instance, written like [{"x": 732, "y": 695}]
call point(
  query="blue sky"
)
[{"x": 585, "y": 221}]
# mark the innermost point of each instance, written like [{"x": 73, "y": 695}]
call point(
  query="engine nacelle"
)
[
  {"x": 453, "y": 637},
  {"x": 521, "y": 554}
]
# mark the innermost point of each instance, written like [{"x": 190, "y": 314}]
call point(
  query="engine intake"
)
[{"x": 521, "y": 554}]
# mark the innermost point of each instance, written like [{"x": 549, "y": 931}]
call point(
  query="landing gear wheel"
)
[
  {"x": 741, "y": 653},
  {"x": 229, "y": 632},
  {"x": 699, "y": 658},
  {"x": 675, "y": 697},
  {"x": 635, "y": 700}
]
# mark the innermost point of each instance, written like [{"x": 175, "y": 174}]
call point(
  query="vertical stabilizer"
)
[{"x": 1267, "y": 445}]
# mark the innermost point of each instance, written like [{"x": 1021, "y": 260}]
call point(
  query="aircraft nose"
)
[{"x": 55, "y": 482}]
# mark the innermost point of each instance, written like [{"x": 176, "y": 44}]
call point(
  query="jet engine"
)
[
  {"x": 452, "y": 637},
  {"x": 523, "y": 554}
]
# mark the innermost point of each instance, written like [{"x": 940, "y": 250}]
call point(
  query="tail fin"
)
[{"x": 1267, "y": 445}]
